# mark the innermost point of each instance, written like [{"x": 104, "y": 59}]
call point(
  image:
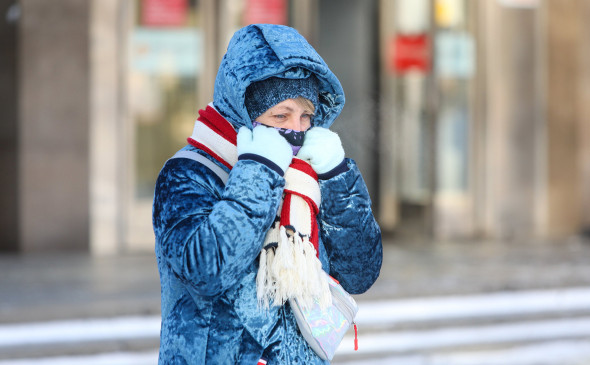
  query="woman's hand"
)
[
  {"x": 266, "y": 143},
  {"x": 322, "y": 148}
]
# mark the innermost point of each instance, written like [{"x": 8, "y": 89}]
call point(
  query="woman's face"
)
[{"x": 288, "y": 114}]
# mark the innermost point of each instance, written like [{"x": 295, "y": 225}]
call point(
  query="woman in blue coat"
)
[{"x": 225, "y": 221}]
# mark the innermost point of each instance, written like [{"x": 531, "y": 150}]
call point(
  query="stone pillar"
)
[
  {"x": 563, "y": 42},
  {"x": 584, "y": 110},
  {"x": 513, "y": 126},
  {"x": 8, "y": 126},
  {"x": 107, "y": 131},
  {"x": 53, "y": 127}
]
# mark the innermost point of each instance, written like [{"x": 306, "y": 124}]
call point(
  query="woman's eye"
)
[
  {"x": 306, "y": 118},
  {"x": 280, "y": 116}
]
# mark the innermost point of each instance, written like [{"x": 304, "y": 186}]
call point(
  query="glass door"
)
[
  {"x": 407, "y": 133},
  {"x": 454, "y": 49},
  {"x": 428, "y": 67},
  {"x": 164, "y": 68}
]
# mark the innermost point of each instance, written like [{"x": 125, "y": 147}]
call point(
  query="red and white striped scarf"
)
[{"x": 289, "y": 267}]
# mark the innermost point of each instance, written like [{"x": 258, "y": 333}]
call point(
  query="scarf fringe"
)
[{"x": 291, "y": 271}]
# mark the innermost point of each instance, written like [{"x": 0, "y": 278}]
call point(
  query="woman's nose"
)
[{"x": 296, "y": 124}]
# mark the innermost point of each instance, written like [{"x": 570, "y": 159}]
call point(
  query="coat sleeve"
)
[
  {"x": 349, "y": 231},
  {"x": 208, "y": 235}
]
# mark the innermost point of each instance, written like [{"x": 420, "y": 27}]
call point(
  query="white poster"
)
[
  {"x": 520, "y": 3},
  {"x": 412, "y": 16},
  {"x": 454, "y": 54},
  {"x": 173, "y": 51}
]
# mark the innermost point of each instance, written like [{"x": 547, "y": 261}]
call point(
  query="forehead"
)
[{"x": 301, "y": 104}]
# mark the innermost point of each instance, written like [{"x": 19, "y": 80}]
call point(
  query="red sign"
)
[
  {"x": 265, "y": 11},
  {"x": 410, "y": 52},
  {"x": 164, "y": 13}
]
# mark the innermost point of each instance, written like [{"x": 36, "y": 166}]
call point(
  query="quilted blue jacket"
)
[{"x": 209, "y": 235}]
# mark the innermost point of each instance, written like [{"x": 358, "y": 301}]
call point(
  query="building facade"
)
[{"x": 468, "y": 119}]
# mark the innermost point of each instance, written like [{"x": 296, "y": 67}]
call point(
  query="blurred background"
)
[{"x": 470, "y": 120}]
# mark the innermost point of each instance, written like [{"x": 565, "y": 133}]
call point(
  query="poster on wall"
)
[
  {"x": 449, "y": 13},
  {"x": 410, "y": 52},
  {"x": 265, "y": 11},
  {"x": 164, "y": 13},
  {"x": 454, "y": 54},
  {"x": 166, "y": 51},
  {"x": 519, "y": 3},
  {"x": 412, "y": 16}
]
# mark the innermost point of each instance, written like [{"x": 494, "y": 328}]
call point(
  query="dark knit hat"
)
[{"x": 263, "y": 95}]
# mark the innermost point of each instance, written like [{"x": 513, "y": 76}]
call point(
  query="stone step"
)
[
  {"x": 558, "y": 352},
  {"x": 386, "y": 328},
  {"x": 403, "y": 313},
  {"x": 389, "y": 342}
]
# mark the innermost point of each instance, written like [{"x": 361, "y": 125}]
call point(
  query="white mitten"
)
[
  {"x": 267, "y": 143},
  {"x": 322, "y": 148}
]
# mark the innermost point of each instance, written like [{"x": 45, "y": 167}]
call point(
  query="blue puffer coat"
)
[{"x": 209, "y": 235}]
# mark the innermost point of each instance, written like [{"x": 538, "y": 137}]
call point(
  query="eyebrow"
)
[{"x": 283, "y": 108}]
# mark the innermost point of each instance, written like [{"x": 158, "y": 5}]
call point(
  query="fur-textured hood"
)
[{"x": 257, "y": 52}]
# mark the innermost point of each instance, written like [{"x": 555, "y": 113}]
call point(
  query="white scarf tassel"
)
[
  {"x": 316, "y": 279},
  {"x": 292, "y": 270},
  {"x": 263, "y": 279},
  {"x": 286, "y": 268}
]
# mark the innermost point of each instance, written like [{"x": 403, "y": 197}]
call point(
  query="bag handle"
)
[{"x": 192, "y": 155}]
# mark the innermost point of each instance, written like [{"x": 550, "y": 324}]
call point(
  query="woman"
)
[{"x": 231, "y": 253}]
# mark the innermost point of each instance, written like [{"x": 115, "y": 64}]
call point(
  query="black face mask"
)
[{"x": 295, "y": 138}]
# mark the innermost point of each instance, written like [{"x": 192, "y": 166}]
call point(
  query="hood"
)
[{"x": 259, "y": 51}]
